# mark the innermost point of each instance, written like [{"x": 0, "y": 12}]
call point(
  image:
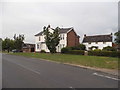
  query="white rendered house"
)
[
  {"x": 68, "y": 38},
  {"x": 97, "y": 41}
]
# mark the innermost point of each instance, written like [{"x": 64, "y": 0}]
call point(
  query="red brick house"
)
[{"x": 68, "y": 38}]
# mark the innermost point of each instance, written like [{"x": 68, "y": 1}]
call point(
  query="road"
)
[{"x": 24, "y": 72}]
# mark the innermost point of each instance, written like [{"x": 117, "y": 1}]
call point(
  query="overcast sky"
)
[{"x": 28, "y": 18}]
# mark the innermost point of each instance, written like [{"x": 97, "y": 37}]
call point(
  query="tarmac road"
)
[{"x": 24, "y": 72}]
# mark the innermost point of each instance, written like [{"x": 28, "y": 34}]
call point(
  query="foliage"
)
[
  {"x": 8, "y": 44},
  {"x": 97, "y": 50},
  {"x": 104, "y": 53},
  {"x": 43, "y": 51},
  {"x": 18, "y": 41},
  {"x": 79, "y": 47},
  {"x": 65, "y": 49},
  {"x": 69, "y": 50},
  {"x": 117, "y": 39},
  {"x": 51, "y": 39},
  {"x": 0, "y": 44},
  {"x": 109, "y": 48},
  {"x": 76, "y": 52}
]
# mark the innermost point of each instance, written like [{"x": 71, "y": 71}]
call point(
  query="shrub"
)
[
  {"x": 76, "y": 52},
  {"x": 104, "y": 53},
  {"x": 43, "y": 51},
  {"x": 97, "y": 50},
  {"x": 79, "y": 47},
  {"x": 65, "y": 50},
  {"x": 109, "y": 48}
]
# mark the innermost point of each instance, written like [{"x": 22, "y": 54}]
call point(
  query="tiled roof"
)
[
  {"x": 39, "y": 33},
  {"x": 62, "y": 30},
  {"x": 98, "y": 38}
]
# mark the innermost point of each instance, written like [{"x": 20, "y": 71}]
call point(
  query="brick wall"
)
[{"x": 72, "y": 39}]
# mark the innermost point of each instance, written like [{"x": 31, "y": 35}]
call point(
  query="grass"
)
[{"x": 92, "y": 61}]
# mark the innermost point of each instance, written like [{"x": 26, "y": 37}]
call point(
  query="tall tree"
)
[
  {"x": 7, "y": 44},
  {"x": 117, "y": 39},
  {"x": 51, "y": 39},
  {"x": 18, "y": 41}
]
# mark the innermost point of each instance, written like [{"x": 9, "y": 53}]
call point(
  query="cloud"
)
[{"x": 86, "y": 17}]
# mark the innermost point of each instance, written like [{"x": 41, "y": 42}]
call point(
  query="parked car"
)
[{"x": 15, "y": 50}]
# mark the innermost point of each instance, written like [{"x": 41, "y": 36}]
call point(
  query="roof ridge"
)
[{"x": 100, "y": 35}]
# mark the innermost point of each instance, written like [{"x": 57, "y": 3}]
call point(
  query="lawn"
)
[{"x": 92, "y": 61}]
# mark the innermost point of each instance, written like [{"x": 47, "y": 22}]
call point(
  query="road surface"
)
[{"x": 24, "y": 72}]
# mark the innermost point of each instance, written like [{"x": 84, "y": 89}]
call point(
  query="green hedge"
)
[
  {"x": 76, "y": 52},
  {"x": 104, "y": 53},
  {"x": 65, "y": 50}
]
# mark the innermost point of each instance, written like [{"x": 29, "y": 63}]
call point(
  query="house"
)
[
  {"x": 27, "y": 47},
  {"x": 97, "y": 41},
  {"x": 68, "y": 38}
]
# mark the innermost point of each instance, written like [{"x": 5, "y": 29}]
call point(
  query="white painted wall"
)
[
  {"x": 100, "y": 45},
  {"x": 42, "y": 45},
  {"x": 63, "y": 42}
]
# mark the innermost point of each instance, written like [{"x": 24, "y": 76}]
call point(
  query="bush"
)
[
  {"x": 97, "y": 50},
  {"x": 109, "y": 48},
  {"x": 65, "y": 50},
  {"x": 43, "y": 51},
  {"x": 76, "y": 52},
  {"x": 79, "y": 47},
  {"x": 104, "y": 53}
]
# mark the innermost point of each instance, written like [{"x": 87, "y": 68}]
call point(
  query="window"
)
[
  {"x": 37, "y": 46},
  {"x": 104, "y": 42},
  {"x": 60, "y": 37},
  {"x": 63, "y": 36},
  {"x": 63, "y": 46},
  {"x": 39, "y": 38},
  {"x": 89, "y": 43}
]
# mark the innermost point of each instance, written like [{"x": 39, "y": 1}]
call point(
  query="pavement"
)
[{"x": 24, "y": 72}]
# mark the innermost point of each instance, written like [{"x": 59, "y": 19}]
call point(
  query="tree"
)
[
  {"x": 0, "y": 44},
  {"x": 7, "y": 44},
  {"x": 117, "y": 39},
  {"x": 18, "y": 41},
  {"x": 51, "y": 39}
]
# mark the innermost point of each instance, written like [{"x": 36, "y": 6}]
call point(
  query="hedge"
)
[
  {"x": 65, "y": 50},
  {"x": 104, "y": 53},
  {"x": 76, "y": 52}
]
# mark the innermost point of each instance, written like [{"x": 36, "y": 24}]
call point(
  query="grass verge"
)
[{"x": 91, "y": 61}]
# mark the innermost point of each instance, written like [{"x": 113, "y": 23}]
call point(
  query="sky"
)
[{"x": 29, "y": 18}]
